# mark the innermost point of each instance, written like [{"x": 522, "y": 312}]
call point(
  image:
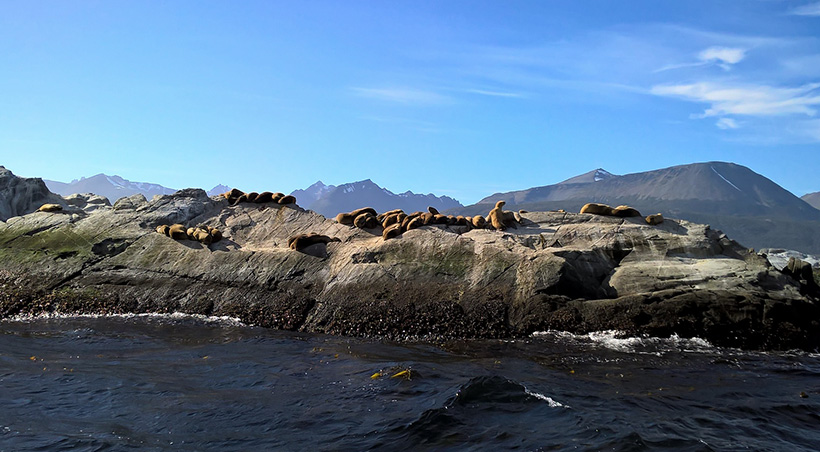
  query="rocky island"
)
[{"x": 575, "y": 272}]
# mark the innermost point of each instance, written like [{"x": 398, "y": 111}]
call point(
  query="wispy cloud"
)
[
  {"x": 485, "y": 92},
  {"x": 750, "y": 100},
  {"x": 811, "y": 9},
  {"x": 407, "y": 96},
  {"x": 724, "y": 57},
  {"x": 727, "y": 123}
]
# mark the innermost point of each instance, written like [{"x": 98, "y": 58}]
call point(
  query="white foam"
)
[
  {"x": 218, "y": 320},
  {"x": 619, "y": 341},
  {"x": 552, "y": 402}
]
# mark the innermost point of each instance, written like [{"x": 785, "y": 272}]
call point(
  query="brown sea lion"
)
[
  {"x": 163, "y": 229},
  {"x": 190, "y": 233},
  {"x": 427, "y": 218},
  {"x": 233, "y": 194},
  {"x": 177, "y": 232},
  {"x": 384, "y": 215},
  {"x": 358, "y": 212},
  {"x": 264, "y": 197},
  {"x": 415, "y": 222},
  {"x": 392, "y": 219},
  {"x": 625, "y": 211},
  {"x": 215, "y": 233},
  {"x": 345, "y": 218},
  {"x": 655, "y": 219},
  {"x": 496, "y": 216},
  {"x": 251, "y": 197},
  {"x": 50, "y": 208},
  {"x": 479, "y": 222},
  {"x": 392, "y": 231},
  {"x": 202, "y": 236},
  {"x": 597, "y": 209},
  {"x": 432, "y": 210},
  {"x": 287, "y": 199},
  {"x": 303, "y": 241},
  {"x": 365, "y": 220},
  {"x": 277, "y": 196}
]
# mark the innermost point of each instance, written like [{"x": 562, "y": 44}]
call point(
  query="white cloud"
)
[
  {"x": 485, "y": 92},
  {"x": 750, "y": 100},
  {"x": 726, "y": 55},
  {"x": 727, "y": 123},
  {"x": 811, "y": 9},
  {"x": 408, "y": 96}
]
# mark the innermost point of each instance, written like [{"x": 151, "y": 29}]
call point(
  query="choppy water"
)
[{"x": 152, "y": 383}]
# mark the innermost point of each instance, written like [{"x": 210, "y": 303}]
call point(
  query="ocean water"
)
[{"x": 174, "y": 382}]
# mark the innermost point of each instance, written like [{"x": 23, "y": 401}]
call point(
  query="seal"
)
[
  {"x": 178, "y": 232},
  {"x": 264, "y": 197},
  {"x": 287, "y": 199},
  {"x": 392, "y": 231},
  {"x": 479, "y": 222},
  {"x": 163, "y": 229},
  {"x": 302, "y": 241},
  {"x": 50, "y": 208},
  {"x": 625, "y": 211},
  {"x": 597, "y": 209},
  {"x": 655, "y": 219},
  {"x": 432, "y": 210},
  {"x": 365, "y": 220}
]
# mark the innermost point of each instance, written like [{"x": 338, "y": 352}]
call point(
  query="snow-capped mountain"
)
[
  {"x": 112, "y": 187},
  {"x": 329, "y": 200}
]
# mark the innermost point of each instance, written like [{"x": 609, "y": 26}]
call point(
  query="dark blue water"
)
[{"x": 180, "y": 383}]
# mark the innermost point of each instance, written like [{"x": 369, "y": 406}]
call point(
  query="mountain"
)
[
  {"x": 112, "y": 187},
  {"x": 23, "y": 195},
  {"x": 813, "y": 199},
  {"x": 746, "y": 205},
  {"x": 310, "y": 195},
  {"x": 330, "y": 200},
  {"x": 218, "y": 190}
]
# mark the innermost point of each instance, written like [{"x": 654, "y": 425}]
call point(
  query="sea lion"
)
[
  {"x": 303, "y": 241},
  {"x": 345, "y": 218},
  {"x": 496, "y": 216},
  {"x": 190, "y": 233},
  {"x": 232, "y": 194},
  {"x": 392, "y": 219},
  {"x": 625, "y": 211},
  {"x": 215, "y": 233},
  {"x": 163, "y": 229},
  {"x": 392, "y": 231},
  {"x": 358, "y": 212},
  {"x": 655, "y": 219},
  {"x": 415, "y": 222},
  {"x": 277, "y": 196},
  {"x": 264, "y": 197},
  {"x": 202, "y": 236},
  {"x": 479, "y": 222},
  {"x": 427, "y": 218},
  {"x": 597, "y": 209},
  {"x": 178, "y": 232},
  {"x": 50, "y": 208},
  {"x": 440, "y": 219},
  {"x": 432, "y": 210},
  {"x": 384, "y": 215},
  {"x": 287, "y": 199},
  {"x": 251, "y": 197},
  {"x": 365, "y": 220}
]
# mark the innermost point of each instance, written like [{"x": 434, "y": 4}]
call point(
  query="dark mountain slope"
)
[{"x": 749, "y": 207}]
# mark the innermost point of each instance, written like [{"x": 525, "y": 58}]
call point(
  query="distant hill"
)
[
  {"x": 218, "y": 190},
  {"x": 329, "y": 200},
  {"x": 112, "y": 187},
  {"x": 813, "y": 199},
  {"x": 747, "y": 206}
]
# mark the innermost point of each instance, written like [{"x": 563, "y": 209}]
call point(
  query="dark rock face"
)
[
  {"x": 560, "y": 271},
  {"x": 19, "y": 196}
]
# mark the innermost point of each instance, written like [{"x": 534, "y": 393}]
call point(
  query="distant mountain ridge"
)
[
  {"x": 330, "y": 200},
  {"x": 813, "y": 199},
  {"x": 746, "y": 205},
  {"x": 112, "y": 187}
]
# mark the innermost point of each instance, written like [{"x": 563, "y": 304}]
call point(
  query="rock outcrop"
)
[
  {"x": 556, "y": 270},
  {"x": 19, "y": 195}
]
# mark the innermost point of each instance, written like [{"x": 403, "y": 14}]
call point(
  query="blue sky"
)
[{"x": 463, "y": 98}]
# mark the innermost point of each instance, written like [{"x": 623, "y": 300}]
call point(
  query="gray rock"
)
[
  {"x": 556, "y": 270},
  {"x": 19, "y": 196}
]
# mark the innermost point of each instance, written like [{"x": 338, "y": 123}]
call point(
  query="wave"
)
[
  {"x": 174, "y": 317},
  {"x": 622, "y": 342}
]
